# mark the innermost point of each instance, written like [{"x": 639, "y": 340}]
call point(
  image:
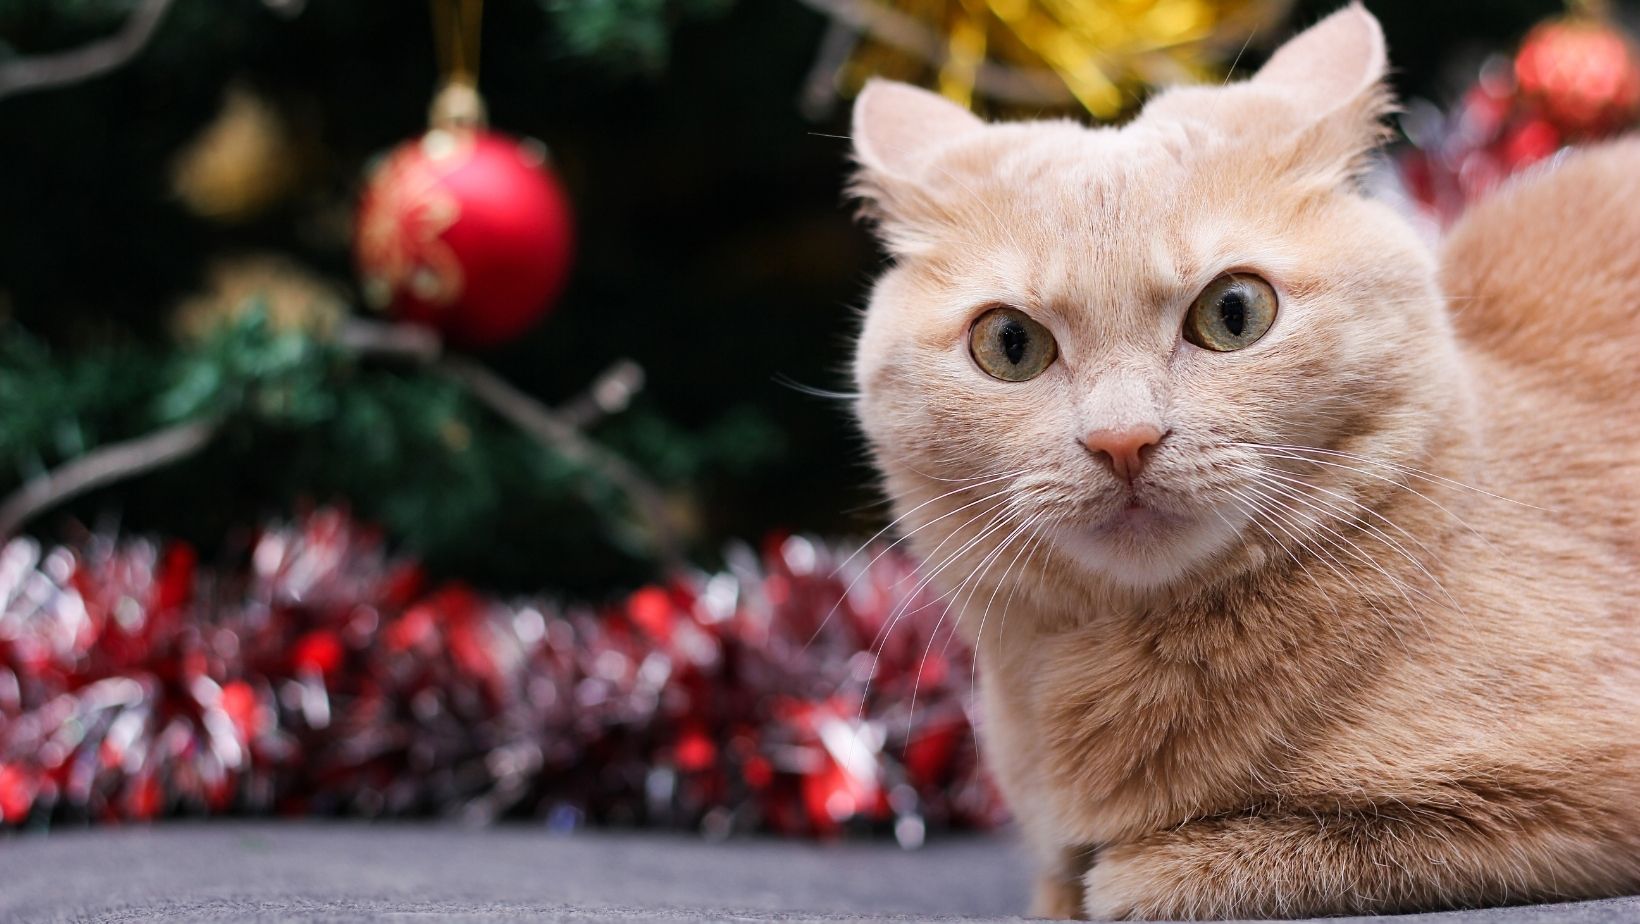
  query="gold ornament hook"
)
[{"x": 456, "y": 36}]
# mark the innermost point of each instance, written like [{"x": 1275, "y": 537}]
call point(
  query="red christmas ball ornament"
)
[
  {"x": 1583, "y": 73},
  {"x": 1527, "y": 143},
  {"x": 466, "y": 231}
]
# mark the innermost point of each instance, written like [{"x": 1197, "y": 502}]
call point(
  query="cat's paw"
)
[
  {"x": 1112, "y": 890},
  {"x": 1137, "y": 882}
]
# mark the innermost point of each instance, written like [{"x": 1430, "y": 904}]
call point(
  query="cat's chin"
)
[{"x": 1143, "y": 548}]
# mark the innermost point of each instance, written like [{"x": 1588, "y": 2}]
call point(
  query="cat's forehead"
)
[
  {"x": 1061, "y": 164},
  {"x": 1096, "y": 216}
]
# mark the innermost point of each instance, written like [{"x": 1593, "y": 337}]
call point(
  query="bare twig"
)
[
  {"x": 609, "y": 393},
  {"x": 103, "y": 465},
  {"x": 820, "y": 86},
  {"x": 886, "y": 24},
  {"x": 558, "y": 429},
  {"x": 548, "y": 428},
  {"x": 40, "y": 72},
  {"x": 374, "y": 338}
]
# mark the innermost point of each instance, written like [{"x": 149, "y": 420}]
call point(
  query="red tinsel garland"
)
[{"x": 326, "y": 677}]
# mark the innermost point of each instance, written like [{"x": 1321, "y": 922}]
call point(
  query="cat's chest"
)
[{"x": 1107, "y": 738}]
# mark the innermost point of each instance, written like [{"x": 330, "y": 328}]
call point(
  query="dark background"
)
[{"x": 716, "y": 247}]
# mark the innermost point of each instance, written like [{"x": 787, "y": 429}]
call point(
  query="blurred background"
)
[
  {"x": 250, "y": 295},
  {"x": 701, "y": 145}
]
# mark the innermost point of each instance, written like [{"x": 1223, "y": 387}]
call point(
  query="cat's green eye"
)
[
  {"x": 1232, "y": 313},
  {"x": 1010, "y": 346}
]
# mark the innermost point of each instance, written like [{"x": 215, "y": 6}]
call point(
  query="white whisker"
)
[
  {"x": 997, "y": 521},
  {"x": 1405, "y": 469},
  {"x": 1355, "y": 550},
  {"x": 1362, "y": 594},
  {"x": 896, "y": 521},
  {"x": 890, "y": 547},
  {"x": 1387, "y": 480},
  {"x": 956, "y": 606}
]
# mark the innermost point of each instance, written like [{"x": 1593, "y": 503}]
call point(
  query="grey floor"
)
[{"x": 267, "y": 872}]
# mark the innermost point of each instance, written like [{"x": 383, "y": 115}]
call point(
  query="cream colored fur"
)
[{"x": 1393, "y": 666}]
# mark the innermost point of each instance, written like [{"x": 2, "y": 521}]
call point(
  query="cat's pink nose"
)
[{"x": 1125, "y": 447}]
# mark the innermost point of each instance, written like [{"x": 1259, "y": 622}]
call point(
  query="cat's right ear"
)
[
  {"x": 898, "y": 133},
  {"x": 897, "y": 126}
]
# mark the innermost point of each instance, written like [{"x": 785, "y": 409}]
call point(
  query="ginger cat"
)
[{"x": 1301, "y": 563}]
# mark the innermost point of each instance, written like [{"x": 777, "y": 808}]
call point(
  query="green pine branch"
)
[{"x": 255, "y": 420}]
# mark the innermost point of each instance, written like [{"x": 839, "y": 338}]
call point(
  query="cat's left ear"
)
[{"x": 1332, "y": 76}]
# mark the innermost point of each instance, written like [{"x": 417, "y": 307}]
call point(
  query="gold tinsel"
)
[
  {"x": 1100, "y": 54},
  {"x": 293, "y": 297}
]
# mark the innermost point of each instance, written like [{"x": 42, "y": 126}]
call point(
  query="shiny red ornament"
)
[
  {"x": 1583, "y": 74},
  {"x": 466, "y": 231},
  {"x": 1527, "y": 143},
  {"x": 1572, "y": 81}
]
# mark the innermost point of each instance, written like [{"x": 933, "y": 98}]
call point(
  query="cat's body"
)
[{"x": 1362, "y": 634}]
